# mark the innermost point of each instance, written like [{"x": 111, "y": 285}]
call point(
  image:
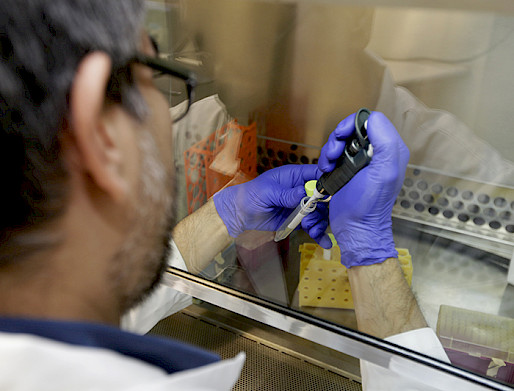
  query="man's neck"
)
[
  {"x": 66, "y": 280},
  {"x": 42, "y": 294}
]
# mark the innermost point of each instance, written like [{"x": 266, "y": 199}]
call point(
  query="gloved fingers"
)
[
  {"x": 330, "y": 152},
  {"x": 315, "y": 228},
  {"x": 319, "y": 214},
  {"x": 324, "y": 241},
  {"x": 316, "y": 224},
  {"x": 385, "y": 139},
  {"x": 287, "y": 198},
  {"x": 382, "y": 135},
  {"x": 344, "y": 129},
  {"x": 320, "y": 236},
  {"x": 293, "y": 175},
  {"x": 390, "y": 154},
  {"x": 334, "y": 147},
  {"x": 278, "y": 219}
]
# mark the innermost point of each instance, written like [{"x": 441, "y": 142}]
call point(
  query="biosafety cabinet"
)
[{"x": 276, "y": 78}]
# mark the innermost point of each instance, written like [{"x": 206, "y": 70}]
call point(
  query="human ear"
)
[{"x": 93, "y": 130}]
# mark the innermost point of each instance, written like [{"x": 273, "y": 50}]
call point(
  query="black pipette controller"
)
[{"x": 356, "y": 155}]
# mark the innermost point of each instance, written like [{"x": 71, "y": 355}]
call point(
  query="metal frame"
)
[{"x": 407, "y": 362}]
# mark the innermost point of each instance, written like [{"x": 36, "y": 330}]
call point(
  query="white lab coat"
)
[
  {"x": 440, "y": 141},
  {"x": 396, "y": 377},
  {"x": 29, "y": 363}
]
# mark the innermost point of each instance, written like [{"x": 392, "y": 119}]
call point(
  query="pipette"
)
[
  {"x": 356, "y": 155},
  {"x": 306, "y": 206}
]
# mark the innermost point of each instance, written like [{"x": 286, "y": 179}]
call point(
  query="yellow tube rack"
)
[{"x": 324, "y": 282}]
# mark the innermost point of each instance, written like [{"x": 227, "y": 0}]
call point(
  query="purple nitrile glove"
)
[
  {"x": 360, "y": 213},
  {"x": 265, "y": 202}
]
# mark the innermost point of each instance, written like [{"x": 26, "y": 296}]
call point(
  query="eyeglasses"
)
[{"x": 175, "y": 81}]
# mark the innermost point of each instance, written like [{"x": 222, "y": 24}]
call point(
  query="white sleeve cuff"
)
[{"x": 396, "y": 377}]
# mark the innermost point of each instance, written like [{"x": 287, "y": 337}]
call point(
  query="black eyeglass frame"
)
[{"x": 175, "y": 69}]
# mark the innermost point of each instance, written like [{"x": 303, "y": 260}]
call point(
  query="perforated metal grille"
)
[
  {"x": 266, "y": 367},
  {"x": 453, "y": 203},
  {"x": 273, "y": 153}
]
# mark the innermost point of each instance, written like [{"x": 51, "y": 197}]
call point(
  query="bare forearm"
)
[
  {"x": 384, "y": 302},
  {"x": 200, "y": 236}
]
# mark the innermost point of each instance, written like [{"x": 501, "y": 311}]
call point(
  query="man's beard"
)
[{"x": 141, "y": 261}]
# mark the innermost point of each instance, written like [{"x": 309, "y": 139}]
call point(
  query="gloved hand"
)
[
  {"x": 360, "y": 213},
  {"x": 265, "y": 202}
]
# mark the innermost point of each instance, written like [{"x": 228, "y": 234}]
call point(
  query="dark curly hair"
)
[{"x": 41, "y": 44}]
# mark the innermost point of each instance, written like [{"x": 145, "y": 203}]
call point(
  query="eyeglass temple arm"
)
[{"x": 170, "y": 67}]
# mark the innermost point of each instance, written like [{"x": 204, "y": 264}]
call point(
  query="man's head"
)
[{"x": 85, "y": 154}]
